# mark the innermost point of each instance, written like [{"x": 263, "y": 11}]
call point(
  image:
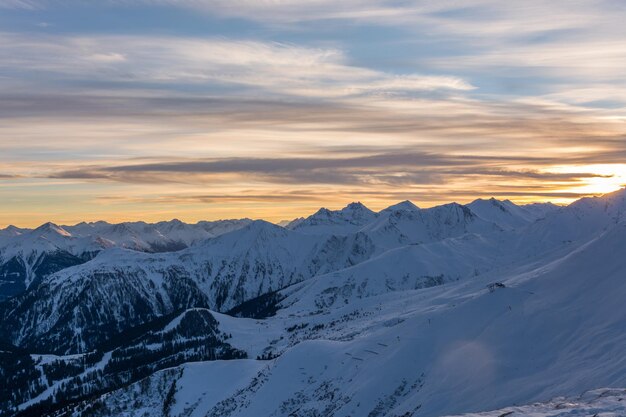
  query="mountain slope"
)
[
  {"x": 141, "y": 351},
  {"x": 336, "y": 222},
  {"x": 405, "y": 268},
  {"x": 120, "y": 288},
  {"x": 403, "y": 205},
  {"x": 455, "y": 348},
  {"x": 601, "y": 402},
  {"x": 398, "y": 227},
  {"x": 576, "y": 223},
  {"x": 163, "y": 236},
  {"x": 417, "y": 312},
  {"x": 504, "y": 213},
  {"x": 27, "y": 256}
]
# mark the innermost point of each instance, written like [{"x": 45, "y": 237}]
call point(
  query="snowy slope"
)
[
  {"x": 84, "y": 237},
  {"x": 457, "y": 348},
  {"x": 403, "y": 205},
  {"x": 191, "y": 335},
  {"x": 119, "y": 288},
  {"x": 604, "y": 402},
  {"x": 27, "y": 256},
  {"x": 558, "y": 329},
  {"x": 259, "y": 258},
  {"x": 540, "y": 210},
  {"x": 195, "y": 388},
  {"x": 156, "y": 237},
  {"x": 416, "y": 312},
  {"x": 475, "y": 350},
  {"x": 337, "y": 222},
  {"x": 554, "y": 330},
  {"x": 397, "y": 227},
  {"x": 11, "y": 231},
  {"x": 506, "y": 214},
  {"x": 46, "y": 238},
  {"x": 574, "y": 224},
  {"x": 405, "y": 268}
]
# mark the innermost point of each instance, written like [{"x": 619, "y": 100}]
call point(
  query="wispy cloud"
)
[
  {"x": 408, "y": 168},
  {"x": 20, "y": 4},
  {"x": 275, "y": 68},
  {"x": 296, "y": 104}
]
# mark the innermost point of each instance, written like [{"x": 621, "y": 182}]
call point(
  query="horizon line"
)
[{"x": 284, "y": 219}]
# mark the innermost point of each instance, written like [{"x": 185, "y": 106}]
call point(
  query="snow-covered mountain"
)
[
  {"x": 163, "y": 236},
  {"x": 576, "y": 223},
  {"x": 121, "y": 288},
  {"x": 403, "y": 205},
  {"x": 28, "y": 255},
  {"x": 337, "y": 222},
  {"x": 599, "y": 402},
  {"x": 508, "y": 215},
  {"x": 397, "y": 226},
  {"x": 406, "y": 312},
  {"x": 540, "y": 210},
  {"x": 443, "y": 350},
  {"x": 220, "y": 273}
]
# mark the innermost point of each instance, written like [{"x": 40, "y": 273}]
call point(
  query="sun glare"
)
[{"x": 610, "y": 177}]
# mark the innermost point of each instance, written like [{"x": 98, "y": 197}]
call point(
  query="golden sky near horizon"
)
[{"x": 200, "y": 110}]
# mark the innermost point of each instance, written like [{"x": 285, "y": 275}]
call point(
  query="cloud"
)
[
  {"x": 475, "y": 24},
  {"x": 309, "y": 201},
  {"x": 258, "y": 10},
  {"x": 437, "y": 121},
  {"x": 274, "y": 68},
  {"x": 534, "y": 174},
  {"x": 382, "y": 170},
  {"x": 244, "y": 196},
  {"x": 463, "y": 16},
  {"x": 589, "y": 60},
  {"x": 107, "y": 57},
  {"x": 20, "y": 4},
  {"x": 352, "y": 170},
  {"x": 440, "y": 100}
]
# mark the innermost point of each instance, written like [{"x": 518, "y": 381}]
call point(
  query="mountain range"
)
[{"x": 403, "y": 312}]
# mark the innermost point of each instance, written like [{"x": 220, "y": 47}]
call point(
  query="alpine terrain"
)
[{"x": 485, "y": 309}]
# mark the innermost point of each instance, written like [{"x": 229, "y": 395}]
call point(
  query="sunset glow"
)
[
  {"x": 118, "y": 111},
  {"x": 609, "y": 177}
]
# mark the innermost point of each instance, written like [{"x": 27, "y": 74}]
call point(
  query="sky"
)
[{"x": 150, "y": 110}]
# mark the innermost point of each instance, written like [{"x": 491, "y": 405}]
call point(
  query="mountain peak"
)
[
  {"x": 260, "y": 232},
  {"x": 323, "y": 211},
  {"x": 618, "y": 195},
  {"x": 11, "y": 230},
  {"x": 285, "y": 223},
  {"x": 356, "y": 210},
  {"x": 262, "y": 226},
  {"x": 50, "y": 227},
  {"x": 355, "y": 205},
  {"x": 615, "y": 200},
  {"x": 335, "y": 221},
  {"x": 174, "y": 224},
  {"x": 123, "y": 228},
  {"x": 481, "y": 204},
  {"x": 405, "y": 205}
]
